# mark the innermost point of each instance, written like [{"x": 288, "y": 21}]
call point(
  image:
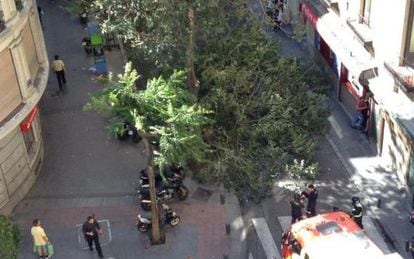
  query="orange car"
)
[{"x": 327, "y": 236}]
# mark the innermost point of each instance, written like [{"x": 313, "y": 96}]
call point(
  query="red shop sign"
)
[
  {"x": 26, "y": 125},
  {"x": 309, "y": 14}
]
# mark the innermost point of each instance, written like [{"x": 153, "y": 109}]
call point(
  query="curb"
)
[
  {"x": 237, "y": 228},
  {"x": 385, "y": 232}
]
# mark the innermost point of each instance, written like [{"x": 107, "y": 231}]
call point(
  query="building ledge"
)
[
  {"x": 363, "y": 33},
  {"x": 403, "y": 76}
]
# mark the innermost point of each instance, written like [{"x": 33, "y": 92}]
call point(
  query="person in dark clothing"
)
[
  {"x": 87, "y": 45},
  {"x": 91, "y": 230},
  {"x": 311, "y": 194},
  {"x": 296, "y": 208},
  {"x": 357, "y": 211}
]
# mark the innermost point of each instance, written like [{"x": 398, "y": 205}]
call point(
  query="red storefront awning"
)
[
  {"x": 27, "y": 124},
  {"x": 309, "y": 14}
]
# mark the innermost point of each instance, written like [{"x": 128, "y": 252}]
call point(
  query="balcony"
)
[
  {"x": 403, "y": 75},
  {"x": 363, "y": 32}
]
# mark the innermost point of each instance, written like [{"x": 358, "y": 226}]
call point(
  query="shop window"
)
[
  {"x": 29, "y": 140},
  {"x": 325, "y": 52},
  {"x": 365, "y": 13},
  {"x": 31, "y": 134}
]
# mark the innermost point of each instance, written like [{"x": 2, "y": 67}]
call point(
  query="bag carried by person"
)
[
  {"x": 50, "y": 249},
  {"x": 44, "y": 250},
  {"x": 40, "y": 250}
]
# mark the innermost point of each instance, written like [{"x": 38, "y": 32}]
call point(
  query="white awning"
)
[
  {"x": 342, "y": 40},
  {"x": 398, "y": 105}
]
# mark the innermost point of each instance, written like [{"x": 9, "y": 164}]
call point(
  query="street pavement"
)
[
  {"x": 87, "y": 171},
  {"x": 349, "y": 165}
]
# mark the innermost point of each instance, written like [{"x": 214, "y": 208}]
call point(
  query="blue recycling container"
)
[
  {"x": 100, "y": 66},
  {"x": 93, "y": 29}
]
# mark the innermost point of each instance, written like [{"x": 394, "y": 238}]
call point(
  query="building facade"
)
[
  {"x": 367, "y": 49},
  {"x": 24, "y": 72}
]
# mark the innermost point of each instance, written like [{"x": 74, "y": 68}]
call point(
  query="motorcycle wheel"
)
[
  {"x": 146, "y": 206},
  {"x": 182, "y": 193},
  {"x": 142, "y": 227},
  {"x": 175, "y": 221}
]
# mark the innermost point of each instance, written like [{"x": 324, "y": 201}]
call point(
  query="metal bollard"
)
[
  {"x": 222, "y": 198},
  {"x": 228, "y": 229},
  {"x": 379, "y": 203}
]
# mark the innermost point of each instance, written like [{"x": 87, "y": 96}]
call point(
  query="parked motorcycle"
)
[
  {"x": 170, "y": 217},
  {"x": 166, "y": 193},
  {"x": 172, "y": 173},
  {"x": 128, "y": 131}
]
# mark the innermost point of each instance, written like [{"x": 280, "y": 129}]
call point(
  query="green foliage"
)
[
  {"x": 165, "y": 109},
  {"x": 10, "y": 238},
  {"x": 300, "y": 170},
  {"x": 268, "y": 110}
]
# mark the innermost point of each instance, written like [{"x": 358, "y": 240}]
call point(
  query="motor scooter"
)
[{"x": 170, "y": 217}]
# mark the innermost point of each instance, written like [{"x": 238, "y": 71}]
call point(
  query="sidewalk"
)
[
  {"x": 87, "y": 171},
  {"x": 374, "y": 179}
]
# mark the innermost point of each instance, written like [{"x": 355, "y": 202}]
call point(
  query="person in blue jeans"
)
[{"x": 361, "y": 113}]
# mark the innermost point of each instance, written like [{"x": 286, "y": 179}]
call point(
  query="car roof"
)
[{"x": 334, "y": 235}]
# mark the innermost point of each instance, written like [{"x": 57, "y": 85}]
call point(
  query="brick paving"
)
[{"x": 86, "y": 171}]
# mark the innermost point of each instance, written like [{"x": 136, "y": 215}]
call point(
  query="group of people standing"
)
[
  {"x": 311, "y": 195},
  {"x": 43, "y": 248}
]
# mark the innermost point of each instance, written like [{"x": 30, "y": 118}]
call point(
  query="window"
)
[
  {"x": 29, "y": 140},
  {"x": 2, "y": 23},
  {"x": 31, "y": 136},
  {"x": 30, "y": 51},
  {"x": 409, "y": 46},
  {"x": 10, "y": 97},
  {"x": 19, "y": 4},
  {"x": 365, "y": 11}
]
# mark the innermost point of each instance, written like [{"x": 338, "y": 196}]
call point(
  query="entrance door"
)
[{"x": 387, "y": 153}]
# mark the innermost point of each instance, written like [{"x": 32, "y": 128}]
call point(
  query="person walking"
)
[
  {"x": 311, "y": 194},
  {"x": 296, "y": 208},
  {"x": 40, "y": 239},
  {"x": 357, "y": 212},
  {"x": 59, "y": 68},
  {"x": 91, "y": 230}
]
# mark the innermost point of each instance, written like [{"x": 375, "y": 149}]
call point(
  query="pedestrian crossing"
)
[{"x": 265, "y": 236}]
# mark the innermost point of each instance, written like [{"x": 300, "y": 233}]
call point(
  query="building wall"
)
[
  {"x": 23, "y": 77},
  {"x": 387, "y": 24},
  {"x": 396, "y": 147}
]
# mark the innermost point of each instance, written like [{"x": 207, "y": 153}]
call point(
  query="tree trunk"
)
[
  {"x": 157, "y": 237},
  {"x": 193, "y": 83}
]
